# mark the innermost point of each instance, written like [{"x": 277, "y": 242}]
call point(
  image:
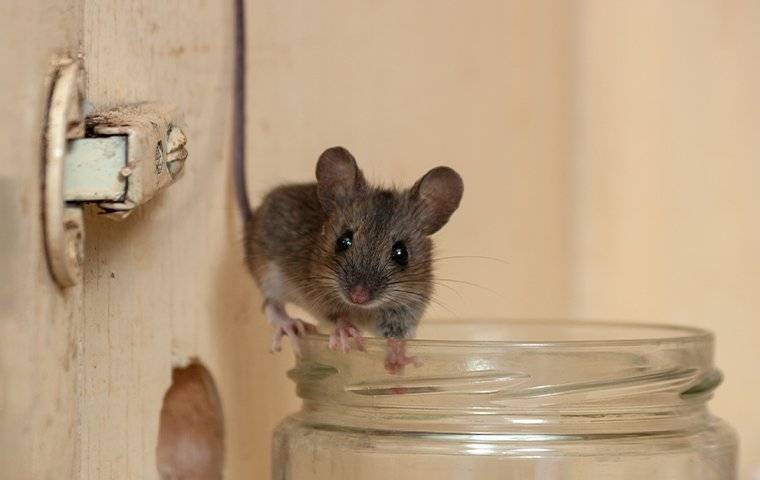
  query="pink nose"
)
[{"x": 359, "y": 294}]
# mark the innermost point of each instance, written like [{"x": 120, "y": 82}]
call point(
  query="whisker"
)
[
  {"x": 471, "y": 284},
  {"x": 478, "y": 257}
]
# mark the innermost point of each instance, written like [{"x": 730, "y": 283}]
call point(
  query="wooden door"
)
[{"x": 84, "y": 370}]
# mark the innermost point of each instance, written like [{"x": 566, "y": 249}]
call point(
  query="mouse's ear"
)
[
  {"x": 338, "y": 177},
  {"x": 437, "y": 195}
]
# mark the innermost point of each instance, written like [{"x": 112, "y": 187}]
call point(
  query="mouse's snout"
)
[{"x": 360, "y": 294}]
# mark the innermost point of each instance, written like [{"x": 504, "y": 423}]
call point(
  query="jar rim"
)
[
  {"x": 621, "y": 333},
  {"x": 568, "y": 369}
]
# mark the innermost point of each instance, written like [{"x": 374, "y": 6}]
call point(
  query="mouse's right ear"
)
[{"x": 338, "y": 178}]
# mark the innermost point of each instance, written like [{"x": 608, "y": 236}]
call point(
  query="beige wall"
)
[
  {"x": 407, "y": 86},
  {"x": 665, "y": 180},
  {"x": 608, "y": 150}
]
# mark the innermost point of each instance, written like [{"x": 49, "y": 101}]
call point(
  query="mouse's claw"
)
[
  {"x": 303, "y": 328},
  {"x": 277, "y": 340},
  {"x": 344, "y": 331},
  {"x": 285, "y": 325},
  {"x": 293, "y": 328}
]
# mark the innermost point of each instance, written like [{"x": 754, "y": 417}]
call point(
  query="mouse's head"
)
[{"x": 375, "y": 248}]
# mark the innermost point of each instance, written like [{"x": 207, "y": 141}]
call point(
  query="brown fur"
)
[{"x": 291, "y": 238}]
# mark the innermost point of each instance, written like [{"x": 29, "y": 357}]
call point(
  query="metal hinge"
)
[{"x": 117, "y": 159}]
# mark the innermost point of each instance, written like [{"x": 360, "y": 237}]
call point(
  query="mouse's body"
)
[
  {"x": 283, "y": 241},
  {"x": 352, "y": 255}
]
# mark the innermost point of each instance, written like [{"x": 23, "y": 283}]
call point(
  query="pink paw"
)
[
  {"x": 292, "y": 328},
  {"x": 344, "y": 331},
  {"x": 396, "y": 358}
]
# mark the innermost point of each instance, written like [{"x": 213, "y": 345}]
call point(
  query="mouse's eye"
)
[
  {"x": 344, "y": 241},
  {"x": 399, "y": 254}
]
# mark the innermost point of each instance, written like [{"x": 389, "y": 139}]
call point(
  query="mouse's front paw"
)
[
  {"x": 293, "y": 328},
  {"x": 396, "y": 358},
  {"x": 344, "y": 331}
]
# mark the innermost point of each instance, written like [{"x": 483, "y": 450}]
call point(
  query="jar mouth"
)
[
  {"x": 546, "y": 333},
  {"x": 518, "y": 373}
]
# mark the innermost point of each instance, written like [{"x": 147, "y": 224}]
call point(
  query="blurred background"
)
[{"x": 609, "y": 152}]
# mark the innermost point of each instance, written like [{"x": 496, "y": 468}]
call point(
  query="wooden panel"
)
[
  {"x": 84, "y": 371},
  {"x": 168, "y": 283}
]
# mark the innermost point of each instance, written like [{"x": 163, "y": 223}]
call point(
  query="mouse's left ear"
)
[
  {"x": 437, "y": 194},
  {"x": 338, "y": 178}
]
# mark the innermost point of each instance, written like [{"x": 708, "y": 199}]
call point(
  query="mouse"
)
[{"x": 355, "y": 256}]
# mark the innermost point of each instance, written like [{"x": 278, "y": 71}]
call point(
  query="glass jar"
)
[{"x": 538, "y": 400}]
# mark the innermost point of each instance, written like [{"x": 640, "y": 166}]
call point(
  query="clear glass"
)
[{"x": 537, "y": 400}]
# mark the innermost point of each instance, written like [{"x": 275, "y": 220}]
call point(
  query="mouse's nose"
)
[{"x": 359, "y": 294}]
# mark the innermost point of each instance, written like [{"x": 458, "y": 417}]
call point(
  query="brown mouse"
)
[{"x": 353, "y": 255}]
